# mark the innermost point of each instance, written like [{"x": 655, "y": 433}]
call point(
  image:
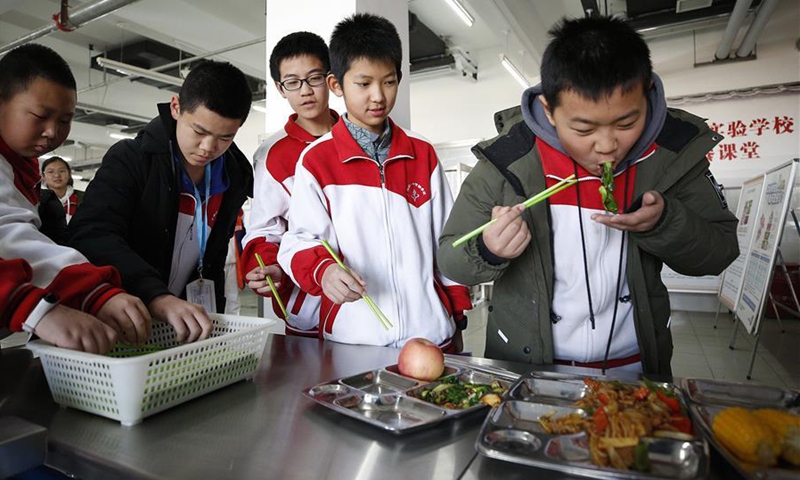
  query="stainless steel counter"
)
[{"x": 261, "y": 429}]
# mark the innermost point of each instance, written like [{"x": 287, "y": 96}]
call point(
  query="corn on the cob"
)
[
  {"x": 787, "y": 426},
  {"x": 744, "y": 434}
]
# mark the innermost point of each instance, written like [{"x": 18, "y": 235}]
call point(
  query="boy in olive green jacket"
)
[{"x": 573, "y": 283}]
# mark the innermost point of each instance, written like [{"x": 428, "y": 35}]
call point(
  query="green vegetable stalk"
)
[{"x": 607, "y": 189}]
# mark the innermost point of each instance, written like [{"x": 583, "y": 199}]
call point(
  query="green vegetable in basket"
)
[{"x": 607, "y": 189}]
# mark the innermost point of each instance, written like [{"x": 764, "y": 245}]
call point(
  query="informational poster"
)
[
  {"x": 732, "y": 278},
  {"x": 768, "y": 224}
]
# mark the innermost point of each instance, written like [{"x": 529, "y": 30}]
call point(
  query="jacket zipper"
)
[{"x": 387, "y": 229}]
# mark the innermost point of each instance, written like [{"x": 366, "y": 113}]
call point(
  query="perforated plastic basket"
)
[{"x": 130, "y": 389}]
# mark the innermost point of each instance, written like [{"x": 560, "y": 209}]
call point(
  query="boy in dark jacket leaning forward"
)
[
  {"x": 572, "y": 284},
  {"x": 162, "y": 207}
]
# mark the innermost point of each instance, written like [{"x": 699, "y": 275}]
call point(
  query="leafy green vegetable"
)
[
  {"x": 607, "y": 189},
  {"x": 641, "y": 460}
]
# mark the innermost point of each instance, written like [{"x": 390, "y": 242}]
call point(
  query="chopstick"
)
[
  {"x": 567, "y": 182},
  {"x": 370, "y": 303},
  {"x": 272, "y": 287}
]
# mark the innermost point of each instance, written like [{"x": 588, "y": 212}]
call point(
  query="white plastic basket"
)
[{"x": 130, "y": 389}]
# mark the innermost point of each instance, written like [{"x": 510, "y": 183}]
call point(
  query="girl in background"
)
[{"x": 59, "y": 200}]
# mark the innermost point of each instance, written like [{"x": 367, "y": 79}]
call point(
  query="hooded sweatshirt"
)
[{"x": 585, "y": 251}]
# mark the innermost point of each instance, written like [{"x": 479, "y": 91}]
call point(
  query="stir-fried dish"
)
[
  {"x": 618, "y": 416},
  {"x": 607, "y": 189},
  {"x": 455, "y": 394}
]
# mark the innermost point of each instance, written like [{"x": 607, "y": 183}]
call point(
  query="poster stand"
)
[{"x": 763, "y": 253}]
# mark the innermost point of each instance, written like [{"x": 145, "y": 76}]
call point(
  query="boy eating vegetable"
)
[{"x": 573, "y": 284}]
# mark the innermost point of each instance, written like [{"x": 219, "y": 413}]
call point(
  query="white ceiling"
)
[
  {"x": 518, "y": 27},
  {"x": 202, "y": 26}
]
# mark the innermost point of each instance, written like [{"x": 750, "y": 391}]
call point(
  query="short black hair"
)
[
  {"x": 593, "y": 57},
  {"x": 28, "y": 62},
  {"x": 294, "y": 45},
  {"x": 54, "y": 159},
  {"x": 364, "y": 36},
  {"x": 218, "y": 86}
]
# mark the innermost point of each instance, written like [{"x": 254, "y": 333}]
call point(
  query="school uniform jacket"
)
[
  {"x": 33, "y": 264},
  {"x": 129, "y": 214},
  {"x": 384, "y": 222},
  {"x": 274, "y": 163}
]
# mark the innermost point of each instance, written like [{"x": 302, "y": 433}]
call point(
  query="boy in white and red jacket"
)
[
  {"x": 299, "y": 66},
  {"x": 45, "y": 288},
  {"x": 378, "y": 195}
]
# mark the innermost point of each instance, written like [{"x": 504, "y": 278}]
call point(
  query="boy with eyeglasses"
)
[{"x": 299, "y": 66}]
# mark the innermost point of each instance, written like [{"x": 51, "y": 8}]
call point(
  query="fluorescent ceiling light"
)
[
  {"x": 120, "y": 136},
  {"x": 462, "y": 12},
  {"x": 126, "y": 69},
  {"x": 259, "y": 108},
  {"x": 518, "y": 76}
]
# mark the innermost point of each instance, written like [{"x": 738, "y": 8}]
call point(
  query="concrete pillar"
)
[{"x": 320, "y": 17}]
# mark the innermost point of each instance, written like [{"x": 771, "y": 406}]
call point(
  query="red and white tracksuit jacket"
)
[
  {"x": 573, "y": 335},
  {"x": 384, "y": 221},
  {"x": 31, "y": 265},
  {"x": 274, "y": 163}
]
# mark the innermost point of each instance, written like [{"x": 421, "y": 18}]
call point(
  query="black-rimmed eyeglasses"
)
[{"x": 294, "y": 84}]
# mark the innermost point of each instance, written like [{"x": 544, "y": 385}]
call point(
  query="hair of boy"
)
[
  {"x": 28, "y": 62},
  {"x": 364, "y": 36},
  {"x": 218, "y": 86},
  {"x": 52, "y": 160},
  {"x": 297, "y": 44},
  {"x": 593, "y": 57}
]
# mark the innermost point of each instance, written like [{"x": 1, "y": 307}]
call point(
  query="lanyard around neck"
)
[{"x": 201, "y": 217}]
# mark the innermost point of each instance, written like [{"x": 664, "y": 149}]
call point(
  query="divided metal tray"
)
[
  {"x": 388, "y": 400},
  {"x": 512, "y": 432},
  {"x": 709, "y": 397}
]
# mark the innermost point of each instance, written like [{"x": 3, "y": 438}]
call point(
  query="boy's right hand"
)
[
  {"x": 190, "y": 321},
  {"x": 340, "y": 286},
  {"x": 509, "y": 235},
  {"x": 128, "y": 316},
  {"x": 69, "y": 328},
  {"x": 257, "y": 279}
]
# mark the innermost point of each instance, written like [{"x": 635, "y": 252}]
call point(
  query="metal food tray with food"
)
[
  {"x": 512, "y": 432},
  {"x": 390, "y": 401},
  {"x": 709, "y": 397}
]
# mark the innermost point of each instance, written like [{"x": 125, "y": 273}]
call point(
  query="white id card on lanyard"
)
[{"x": 201, "y": 291}]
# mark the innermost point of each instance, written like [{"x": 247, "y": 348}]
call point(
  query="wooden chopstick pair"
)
[
  {"x": 272, "y": 287},
  {"x": 370, "y": 303},
  {"x": 567, "y": 182}
]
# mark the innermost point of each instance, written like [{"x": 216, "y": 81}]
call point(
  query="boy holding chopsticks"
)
[
  {"x": 299, "y": 66},
  {"x": 573, "y": 285},
  {"x": 377, "y": 194}
]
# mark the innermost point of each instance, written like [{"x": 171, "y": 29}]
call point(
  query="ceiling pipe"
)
[
  {"x": 762, "y": 17},
  {"x": 734, "y": 24},
  {"x": 80, "y": 16}
]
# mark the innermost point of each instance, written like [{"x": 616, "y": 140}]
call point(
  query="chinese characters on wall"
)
[{"x": 744, "y": 137}]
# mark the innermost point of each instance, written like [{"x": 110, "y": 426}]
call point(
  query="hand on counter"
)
[
  {"x": 128, "y": 316},
  {"x": 69, "y": 328}
]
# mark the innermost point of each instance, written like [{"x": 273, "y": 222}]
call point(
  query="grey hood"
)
[{"x": 535, "y": 118}]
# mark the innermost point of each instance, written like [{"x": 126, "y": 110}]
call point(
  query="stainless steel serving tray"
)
[
  {"x": 512, "y": 432},
  {"x": 709, "y": 397},
  {"x": 388, "y": 400},
  {"x": 717, "y": 392}
]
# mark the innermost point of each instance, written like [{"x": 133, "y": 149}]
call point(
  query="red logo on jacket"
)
[{"x": 416, "y": 194}]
